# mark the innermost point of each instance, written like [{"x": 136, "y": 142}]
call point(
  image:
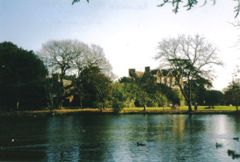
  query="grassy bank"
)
[
  {"x": 182, "y": 110},
  {"x": 138, "y": 110}
]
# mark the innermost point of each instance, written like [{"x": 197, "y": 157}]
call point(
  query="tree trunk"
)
[
  {"x": 189, "y": 96},
  {"x": 81, "y": 103},
  {"x": 61, "y": 93},
  {"x": 189, "y": 106},
  {"x": 186, "y": 95}
]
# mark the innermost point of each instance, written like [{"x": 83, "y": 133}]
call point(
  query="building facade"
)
[{"x": 163, "y": 76}]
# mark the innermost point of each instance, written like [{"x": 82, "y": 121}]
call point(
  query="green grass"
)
[
  {"x": 181, "y": 108},
  {"x": 137, "y": 110},
  {"x": 219, "y": 108}
]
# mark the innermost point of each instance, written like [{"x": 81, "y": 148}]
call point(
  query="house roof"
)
[{"x": 139, "y": 73}]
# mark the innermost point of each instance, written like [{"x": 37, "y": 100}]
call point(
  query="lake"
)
[{"x": 107, "y": 138}]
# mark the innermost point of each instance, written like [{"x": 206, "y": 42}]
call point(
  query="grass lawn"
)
[
  {"x": 179, "y": 109},
  {"x": 133, "y": 110}
]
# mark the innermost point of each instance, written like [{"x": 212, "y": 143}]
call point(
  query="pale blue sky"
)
[{"x": 128, "y": 31}]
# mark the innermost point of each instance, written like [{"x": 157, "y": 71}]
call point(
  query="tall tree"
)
[
  {"x": 65, "y": 57},
  {"x": 81, "y": 51},
  {"x": 59, "y": 55},
  {"x": 232, "y": 93},
  {"x": 94, "y": 87},
  {"x": 22, "y": 78},
  {"x": 90, "y": 58},
  {"x": 62, "y": 57},
  {"x": 213, "y": 97},
  {"x": 199, "y": 90},
  {"x": 189, "y": 58},
  {"x": 95, "y": 56}
]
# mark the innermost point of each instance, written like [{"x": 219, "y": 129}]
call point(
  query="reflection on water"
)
[{"x": 103, "y": 138}]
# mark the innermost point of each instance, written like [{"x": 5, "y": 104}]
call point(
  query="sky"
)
[{"x": 128, "y": 31}]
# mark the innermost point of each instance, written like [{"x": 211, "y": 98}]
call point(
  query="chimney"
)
[
  {"x": 147, "y": 69},
  {"x": 132, "y": 72}
]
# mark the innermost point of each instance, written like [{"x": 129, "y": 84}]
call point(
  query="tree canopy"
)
[
  {"x": 71, "y": 57},
  {"x": 232, "y": 93},
  {"x": 190, "y": 59},
  {"x": 146, "y": 91},
  {"x": 94, "y": 87},
  {"x": 22, "y": 76},
  {"x": 80, "y": 77},
  {"x": 213, "y": 97}
]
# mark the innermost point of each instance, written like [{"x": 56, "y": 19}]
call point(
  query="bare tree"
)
[
  {"x": 59, "y": 57},
  {"x": 81, "y": 51},
  {"x": 189, "y": 58},
  {"x": 87, "y": 56},
  {"x": 96, "y": 57},
  {"x": 71, "y": 57}
]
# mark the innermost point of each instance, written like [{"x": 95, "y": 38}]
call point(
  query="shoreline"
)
[{"x": 68, "y": 111}]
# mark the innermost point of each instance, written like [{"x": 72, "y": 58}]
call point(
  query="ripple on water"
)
[{"x": 114, "y": 138}]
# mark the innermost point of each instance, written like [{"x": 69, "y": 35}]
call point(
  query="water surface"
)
[{"x": 106, "y": 138}]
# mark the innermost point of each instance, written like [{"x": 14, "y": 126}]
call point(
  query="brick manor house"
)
[{"x": 163, "y": 76}]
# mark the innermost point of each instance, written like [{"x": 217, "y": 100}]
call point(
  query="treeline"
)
[{"x": 70, "y": 73}]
